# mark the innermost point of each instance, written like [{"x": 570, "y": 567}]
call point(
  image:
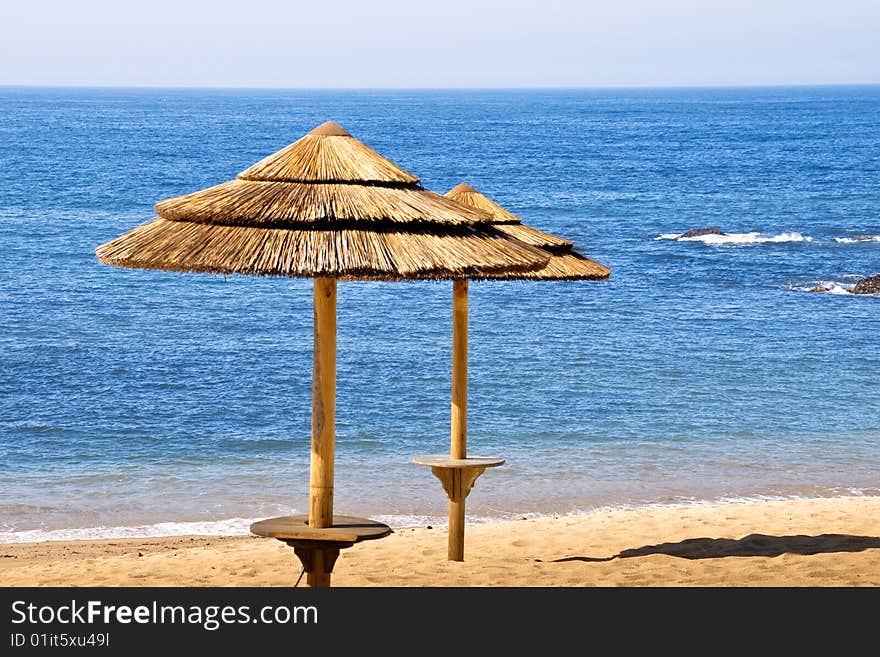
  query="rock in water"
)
[
  {"x": 698, "y": 232},
  {"x": 870, "y": 285},
  {"x": 819, "y": 288}
]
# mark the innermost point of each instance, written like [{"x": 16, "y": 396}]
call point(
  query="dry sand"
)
[{"x": 823, "y": 542}]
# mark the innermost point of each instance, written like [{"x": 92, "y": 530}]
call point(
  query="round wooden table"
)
[
  {"x": 318, "y": 547},
  {"x": 458, "y": 477}
]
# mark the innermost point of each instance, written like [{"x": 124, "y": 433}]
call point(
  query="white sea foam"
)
[
  {"x": 412, "y": 521},
  {"x": 857, "y": 240},
  {"x": 848, "y": 492},
  {"x": 831, "y": 287},
  {"x": 229, "y": 527},
  {"x": 737, "y": 239}
]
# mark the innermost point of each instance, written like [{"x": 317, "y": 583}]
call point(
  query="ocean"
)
[{"x": 137, "y": 403}]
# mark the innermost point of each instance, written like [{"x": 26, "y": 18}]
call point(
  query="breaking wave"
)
[
  {"x": 856, "y": 240},
  {"x": 829, "y": 287},
  {"x": 737, "y": 239},
  {"x": 230, "y": 527}
]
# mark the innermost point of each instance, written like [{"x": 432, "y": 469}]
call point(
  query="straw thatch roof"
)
[
  {"x": 326, "y": 205},
  {"x": 564, "y": 263}
]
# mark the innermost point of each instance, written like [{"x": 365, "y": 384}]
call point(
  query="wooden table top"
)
[
  {"x": 444, "y": 461},
  {"x": 346, "y": 529}
]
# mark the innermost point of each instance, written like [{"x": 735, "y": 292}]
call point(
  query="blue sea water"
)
[{"x": 137, "y": 402}]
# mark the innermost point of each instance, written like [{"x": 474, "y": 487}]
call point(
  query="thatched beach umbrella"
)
[
  {"x": 565, "y": 264},
  {"x": 326, "y": 207},
  {"x": 458, "y": 472}
]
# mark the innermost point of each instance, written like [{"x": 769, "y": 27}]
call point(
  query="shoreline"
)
[
  {"x": 799, "y": 542},
  {"x": 239, "y": 527}
]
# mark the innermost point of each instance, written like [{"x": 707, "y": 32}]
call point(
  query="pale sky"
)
[{"x": 383, "y": 43}]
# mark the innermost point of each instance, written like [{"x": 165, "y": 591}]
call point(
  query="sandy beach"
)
[{"x": 804, "y": 543}]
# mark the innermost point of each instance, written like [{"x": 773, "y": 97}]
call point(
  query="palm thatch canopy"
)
[
  {"x": 325, "y": 206},
  {"x": 564, "y": 262}
]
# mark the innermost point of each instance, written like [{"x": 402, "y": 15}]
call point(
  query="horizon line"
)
[{"x": 147, "y": 87}]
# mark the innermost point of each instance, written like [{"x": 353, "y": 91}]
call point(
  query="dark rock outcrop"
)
[
  {"x": 698, "y": 232},
  {"x": 870, "y": 285}
]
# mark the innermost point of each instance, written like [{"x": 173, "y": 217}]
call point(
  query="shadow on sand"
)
[{"x": 753, "y": 545}]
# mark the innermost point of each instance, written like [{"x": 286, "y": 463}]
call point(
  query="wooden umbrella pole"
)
[
  {"x": 323, "y": 405},
  {"x": 458, "y": 429},
  {"x": 323, "y": 427},
  {"x": 458, "y": 434}
]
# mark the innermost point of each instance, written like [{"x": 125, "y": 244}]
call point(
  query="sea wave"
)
[
  {"x": 229, "y": 527},
  {"x": 830, "y": 287},
  {"x": 737, "y": 239},
  {"x": 857, "y": 240},
  {"x": 724, "y": 500}
]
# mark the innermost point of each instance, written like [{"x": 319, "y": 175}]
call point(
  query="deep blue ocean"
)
[{"x": 143, "y": 402}]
